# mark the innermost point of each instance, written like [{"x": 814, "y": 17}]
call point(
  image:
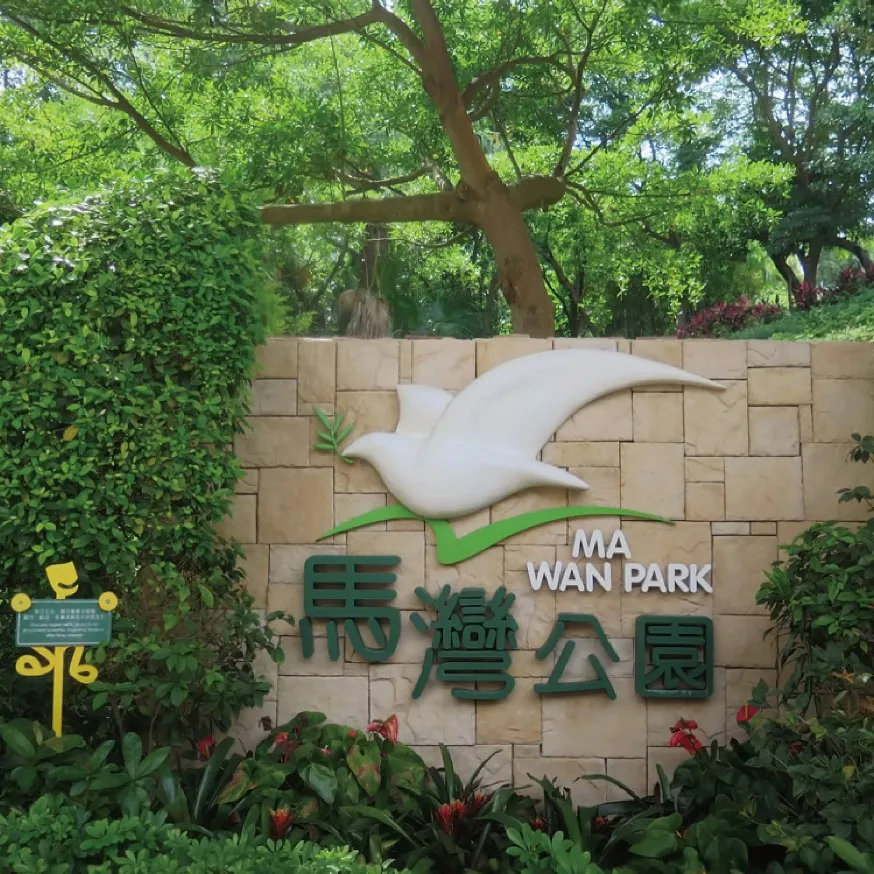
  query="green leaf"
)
[
  {"x": 364, "y": 761},
  {"x": 848, "y": 853},
  {"x": 132, "y": 753},
  {"x": 344, "y": 433},
  {"x": 381, "y": 816},
  {"x": 322, "y": 780},
  {"x": 153, "y": 761},
  {"x": 655, "y": 844},
  {"x": 323, "y": 418},
  {"x": 17, "y": 742}
]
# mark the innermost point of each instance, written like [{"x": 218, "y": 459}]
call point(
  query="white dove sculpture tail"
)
[{"x": 454, "y": 454}]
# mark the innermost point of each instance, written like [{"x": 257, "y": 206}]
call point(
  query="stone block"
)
[
  {"x": 631, "y": 773},
  {"x": 289, "y": 599},
  {"x": 709, "y": 713},
  {"x": 295, "y": 505},
  {"x": 410, "y": 651},
  {"x": 516, "y": 719},
  {"x": 516, "y": 558},
  {"x": 348, "y": 506},
  {"x": 778, "y": 386},
  {"x": 668, "y": 758},
  {"x": 534, "y": 612},
  {"x": 606, "y": 606},
  {"x": 764, "y": 489},
  {"x": 705, "y": 501},
  {"x": 463, "y": 525},
  {"x": 247, "y": 484},
  {"x": 777, "y": 353},
  {"x": 740, "y": 642},
  {"x": 409, "y": 546},
  {"x": 534, "y": 499},
  {"x": 716, "y": 359},
  {"x": 652, "y": 478},
  {"x": 342, "y": 699},
  {"x": 367, "y": 365},
  {"x": 274, "y": 441},
  {"x": 251, "y": 726},
  {"x": 705, "y": 470},
  {"x": 604, "y": 488},
  {"x": 739, "y": 565},
  {"x": 484, "y": 571},
  {"x": 277, "y": 358},
  {"x": 255, "y": 566},
  {"x": 716, "y": 421},
  {"x": 491, "y": 353},
  {"x": 368, "y": 411},
  {"x": 658, "y": 417},
  {"x": 405, "y": 352},
  {"x": 564, "y": 454},
  {"x": 585, "y": 343},
  {"x": 526, "y": 664},
  {"x": 320, "y": 665},
  {"x": 763, "y": 528},
  {"x": 786, "y": 534},
  {"x": 434, "y": 718},
  {"x": 287, "y": 561},
  {"x": 827, "y": 469},
  {"x": 275, "y": 397},
  {"x": 445, "y": 363},
  {"x": 842, "y": 360},
  {"x": 316, "y": 374},
  {"x": 805, "y": 423},
  {"x": 498, "y": 770},
  {"x": 659, "y": 349},
  {"x": 774, "y": 431},
  {"x": 566, "y": 772},
  {"x": 357, "y": 477},
  {"x": 607, "y": 419},
  {"x": 598, "y": 717},
  {"x": 239, "y": 524},
  {"x": 729, "y": 528},
  {"x": 580, "y": 668},
  {"x": 842, "y": 407}
]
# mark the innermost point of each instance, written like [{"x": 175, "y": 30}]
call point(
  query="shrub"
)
[
  {"x": 129, "y": 323},
  {"x": 54, "y": 836},
  {"x": 724, "y": 318}
]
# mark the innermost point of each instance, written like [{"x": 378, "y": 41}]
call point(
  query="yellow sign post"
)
[{"x": 51, "y": 627}]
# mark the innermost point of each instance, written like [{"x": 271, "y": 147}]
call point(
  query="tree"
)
[
  {"x": 456, "y": 77},
  {"x": 809, "y": 80}
]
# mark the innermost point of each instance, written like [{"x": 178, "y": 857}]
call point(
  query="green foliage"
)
[
  {"x": 129, "y": 322},
  {"x": 54, "y": 836},
  {"x": 845, "y": 319}
]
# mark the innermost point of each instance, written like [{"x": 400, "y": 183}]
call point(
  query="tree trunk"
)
[
  {"x": 810, "y": 262},
  {"x": 782, "y": 264},
  {"x": 856, "y": 249},
  {"x": 500, "y": 219},
  {"x": 519, "y": 275}
]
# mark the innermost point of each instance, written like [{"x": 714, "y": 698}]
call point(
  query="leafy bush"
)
[
  {"x": 54, "y": 836},
  {"x": 129, "y": 323},
  {"x": 722, "y": 319}
]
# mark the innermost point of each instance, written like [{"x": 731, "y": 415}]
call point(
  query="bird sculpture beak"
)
[{"x": 353, "y": 450}]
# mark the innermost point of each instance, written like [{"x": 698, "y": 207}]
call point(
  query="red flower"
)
[
  {"x": 351, "y": 734},
  {"x": 283, "y": 742},
  {"x": 205, "y": 747},
  {"x": 389, "y": 729},
  {"x": 687, "y": 741},
  {"x": 746, "y": 713},
  {"x": 599, "y": 823},
  {"x": 281, "y": 822},
  {"x": 684, "y": 725},
  {"x": 449, "y": 817},
  {"x": 795, "y": 749},
  {"x": 326, "y": 751},
  {"x": 538, "y": 824},
  {"x": 476, "y": 803}
]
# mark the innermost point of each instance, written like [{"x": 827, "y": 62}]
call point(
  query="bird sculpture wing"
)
[
  {"x": 420, "y": 408},
  {"x": 518, "y": 405}
]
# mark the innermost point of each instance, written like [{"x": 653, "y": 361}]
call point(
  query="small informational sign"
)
[{"x": 63, "y": 623}]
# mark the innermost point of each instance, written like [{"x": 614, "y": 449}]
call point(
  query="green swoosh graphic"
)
[{"x": 452, "y": 549}]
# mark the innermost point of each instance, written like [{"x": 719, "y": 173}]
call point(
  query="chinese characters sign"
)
[
  {"x": 63, "y": 623},
  {"x": 473, "y": 634}
]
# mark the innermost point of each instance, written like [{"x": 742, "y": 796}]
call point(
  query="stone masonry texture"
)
[{"x": 739, "y": 473}]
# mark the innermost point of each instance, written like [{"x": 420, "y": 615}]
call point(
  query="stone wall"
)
[{"x": 741, "y": 471}]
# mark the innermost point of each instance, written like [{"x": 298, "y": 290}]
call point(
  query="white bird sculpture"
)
[{"x": 451, "y": 455}]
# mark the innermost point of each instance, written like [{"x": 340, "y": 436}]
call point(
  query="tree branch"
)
[
  {"x": 493, "y": 77},
  {"x": 168, "y": 27},
  {"x": 364, "y": 183},
  {"x": 532, "y": 192}
]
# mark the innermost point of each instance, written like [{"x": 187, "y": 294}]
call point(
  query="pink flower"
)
[
  {"x": 205, "y": 747},
  {"x": 687, "y": 741},
  {"x": 389, "y": 728},
  {"x": 746, "y": 713}
]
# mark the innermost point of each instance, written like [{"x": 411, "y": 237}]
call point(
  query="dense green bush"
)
[
  {"x": 57, "y": 838},
  {"x": 128, "y": 324}
]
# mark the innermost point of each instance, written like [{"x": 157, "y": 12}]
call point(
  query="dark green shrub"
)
[{"x": 128, "y": 324}]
